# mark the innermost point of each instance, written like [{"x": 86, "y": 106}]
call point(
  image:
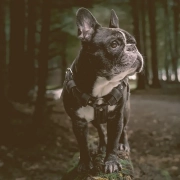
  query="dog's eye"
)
[{"x": 114, "y": 44}]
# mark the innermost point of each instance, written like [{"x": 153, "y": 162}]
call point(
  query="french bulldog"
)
[{"x": 99, "y": 73}]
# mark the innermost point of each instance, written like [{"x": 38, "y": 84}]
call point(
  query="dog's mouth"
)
[{"x": 138, "y": 65}]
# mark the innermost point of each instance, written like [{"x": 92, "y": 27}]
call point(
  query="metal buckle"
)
[
  {"x": 99, "y": 101},
  {"x": 100, "y": 110},
  {"x": 69, "y": 69}
]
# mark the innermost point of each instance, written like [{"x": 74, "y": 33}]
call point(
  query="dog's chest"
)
[{"x": 101, "y": 88}]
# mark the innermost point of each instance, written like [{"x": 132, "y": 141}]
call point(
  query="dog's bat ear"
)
[
  {"x": 86, "y": 24},
  {"x": 114, "y": 21}
]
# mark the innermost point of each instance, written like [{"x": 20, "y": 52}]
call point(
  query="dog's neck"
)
[
  {"x": 84, "y": 72},
  {"x": 87, "y": 80}
]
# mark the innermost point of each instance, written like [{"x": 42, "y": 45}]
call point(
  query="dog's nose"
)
[{"x": 131, "y": 47}]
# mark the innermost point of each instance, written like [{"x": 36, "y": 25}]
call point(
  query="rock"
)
[
  {"x": 1, "y": 163},
  {"x": 168, "y": 138},
  {"x": 155, "y": 121},
  {"x": 10, "y": 155},
  {"x": 176, "y": 159},
  {"x": 174, "y": 168},
  {"x": 21, "y": 178},
  {"x": 4, "y": 148}
]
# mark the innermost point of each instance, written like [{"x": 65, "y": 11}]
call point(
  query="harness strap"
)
[
  {"x": 116, "y": 95},
  {"x": 100, "y": 110},
  {"x": 86, "y": 98},
  {"x": 70, "y": 84}
]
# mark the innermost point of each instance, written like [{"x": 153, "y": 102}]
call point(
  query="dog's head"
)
[{"x": 112, "y": 51}]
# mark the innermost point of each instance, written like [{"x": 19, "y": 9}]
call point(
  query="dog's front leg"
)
[
  {"x": 102, "y": 136},
  {"x": 80, "y": 129},
  {"x": 124, "y": 145},
  {"x": 114, "y": 131}
]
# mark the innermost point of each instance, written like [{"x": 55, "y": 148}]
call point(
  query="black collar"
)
[{"x": 85, "y": 99}]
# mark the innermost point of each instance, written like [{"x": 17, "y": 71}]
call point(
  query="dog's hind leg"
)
[
  {"x": 123, "y": 143},
  {"x": 102, "y": 136}
]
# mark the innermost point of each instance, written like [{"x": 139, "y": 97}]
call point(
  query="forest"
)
[{"x": 38, "y": 42}]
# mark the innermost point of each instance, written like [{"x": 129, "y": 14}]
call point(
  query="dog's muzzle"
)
[{"x": 131, "y": 48}]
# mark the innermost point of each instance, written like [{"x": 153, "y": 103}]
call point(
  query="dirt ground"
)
[{"x": 154, "y": 135}]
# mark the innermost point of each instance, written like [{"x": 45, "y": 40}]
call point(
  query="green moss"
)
[
  {"x": 73, "y": 163},
  {"x": 97, "y": 174},
  {"x": 166, "y": 175}
]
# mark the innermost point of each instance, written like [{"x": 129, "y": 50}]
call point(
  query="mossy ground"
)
[{"x": 97, "y": 173}]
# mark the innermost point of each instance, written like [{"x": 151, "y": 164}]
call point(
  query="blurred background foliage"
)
[
  {"x": 22, "y": 21},
  {"x": 38, "y": 41}
]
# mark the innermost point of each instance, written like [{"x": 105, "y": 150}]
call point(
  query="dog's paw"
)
[
  {"x": 84, "y": 166},
  {"x": 112, "y": 164},
  {"x": 98, "y": 162},
  {"x": 124, "y": 147}
]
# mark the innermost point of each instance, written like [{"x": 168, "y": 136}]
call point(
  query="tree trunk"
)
[
  {"x": 143, "y": 7},
  {"x": 154, "y": 61},
  {"x": 63, "y": 56},
  {"x": 168, "y": 40},
  {"x": 167, "y": 60},
  {"x": 136, "y": 21},
  {"x": 43, "y": 64},
  {"x": 29, "y": 66},
  {"x": 176, "y": 38},
  {"x": 2, "y": 55},
  {"x": 6, "y": 106},
  {"x": 17, "y": 40}
]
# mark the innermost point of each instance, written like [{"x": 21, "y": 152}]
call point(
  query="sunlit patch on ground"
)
[{"x": 55, "y": 93}]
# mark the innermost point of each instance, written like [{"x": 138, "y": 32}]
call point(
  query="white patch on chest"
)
[
  {"x": 101, "y": 88},
  {"x": 86, "y": 113}
]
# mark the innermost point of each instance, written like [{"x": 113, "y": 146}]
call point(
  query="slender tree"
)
[
  {"x": 153, "y": 38},
  {"x": 168, "y": 39},
  {"x": 2, "y": 54},
  {"x": 135, "y": 4},
  {"x": 43, "y": 64},
  {"x": 6, "y": 106},
  {"x": 17, "y": 40},
  {"x": 176, "y": 37},
  {"x": 143, "y": 7},
  {"x": 30, "y": 55},
  {"x": 63, "y": 57}
]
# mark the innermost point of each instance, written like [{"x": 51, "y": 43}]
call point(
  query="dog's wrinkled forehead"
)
[
  {"x": 118, "y": 33},
  {"x": 105, "y": 33},
  {"x": 109, "y": 34},
  {"x": 124, "y": 37}
]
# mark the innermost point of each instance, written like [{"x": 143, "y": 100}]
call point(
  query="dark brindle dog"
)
[{"x": 96, "y": 86}]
